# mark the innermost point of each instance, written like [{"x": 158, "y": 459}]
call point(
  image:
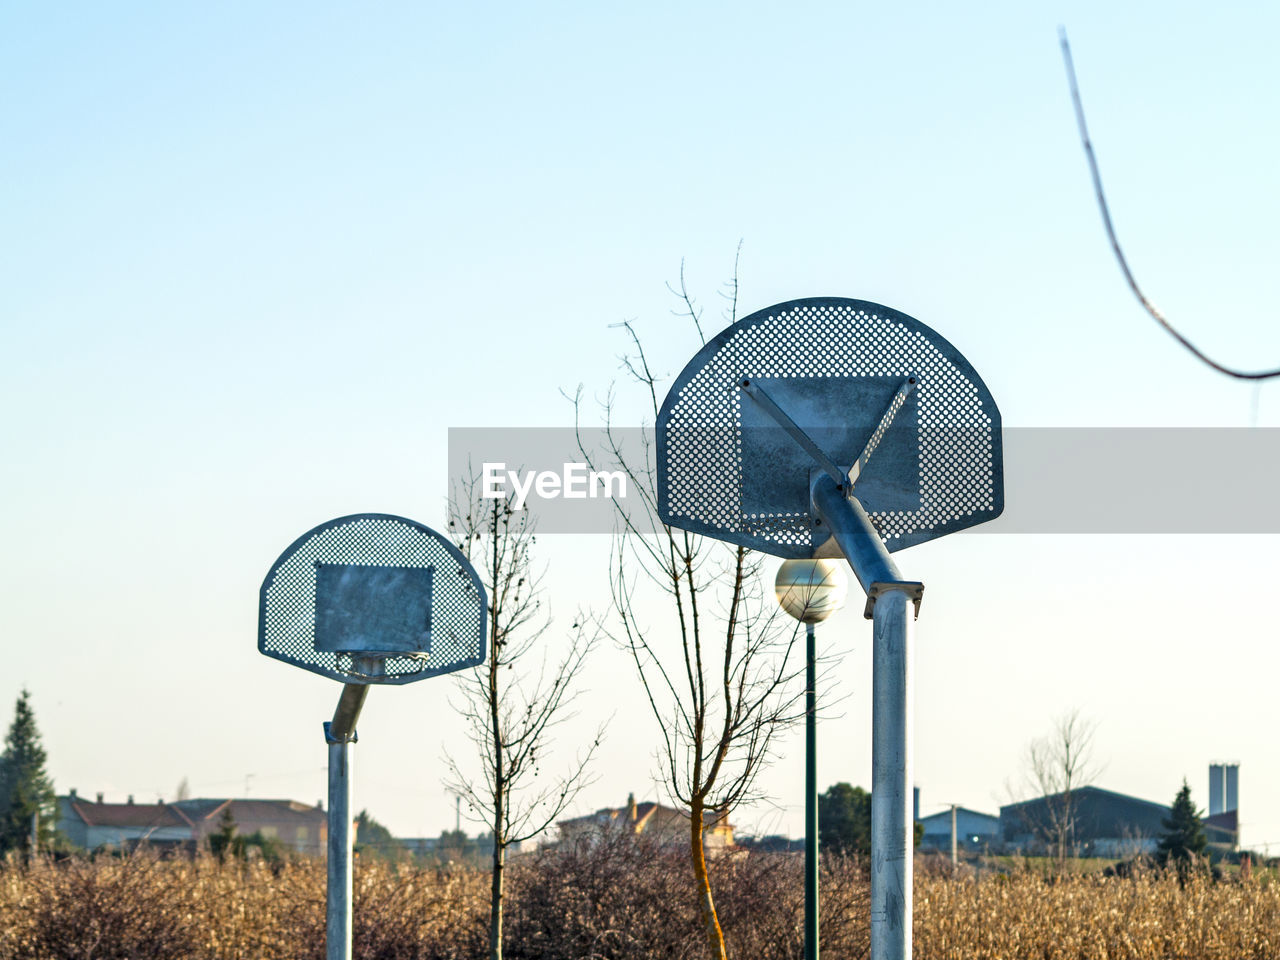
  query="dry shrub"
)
[
  {"x": 400, "y": 912},
  {"x": 103, "y": 910},
  {"x": 622, "y": 898},
  {"x": 844, "y": 916},
  {"x": 403, "y": 912},
  {"x": 630, "y": 899},
  {"x": 762, "y": 905}
]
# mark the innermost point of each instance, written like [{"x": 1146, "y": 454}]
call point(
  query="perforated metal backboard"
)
[
  {"x": 728, "y": 470},
  {"x": 373, "y": 598}
]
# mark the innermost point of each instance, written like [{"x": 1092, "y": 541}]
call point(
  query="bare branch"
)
[{"x": 1115, "y": 242}]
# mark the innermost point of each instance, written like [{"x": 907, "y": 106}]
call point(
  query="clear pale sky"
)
[{"x": 254, "y": 262}]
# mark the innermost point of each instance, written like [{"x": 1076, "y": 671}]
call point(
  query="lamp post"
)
[{"x": 810, "y": 591}]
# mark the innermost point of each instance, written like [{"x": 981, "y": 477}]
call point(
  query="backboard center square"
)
[
  {"x": 840, "y": 414},
  {"x": 372, "y": 609}
]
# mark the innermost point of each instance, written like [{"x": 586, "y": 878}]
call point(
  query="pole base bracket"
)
[
  {"x": 351, "y": 737},
  {"x": 912, "y": 588}
]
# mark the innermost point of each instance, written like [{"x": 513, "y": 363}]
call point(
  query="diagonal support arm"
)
[
  {"x": 877, "y": 435},
  {"x": 860, "y": 543}
]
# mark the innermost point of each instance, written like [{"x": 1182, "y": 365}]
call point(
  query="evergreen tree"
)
[
  {"x": 844, "y": 819},
  {"x": 1184, "y": 837},
  {"x": 375, "y": 840},
  {"x": 26, "y": 792},
  {"x": 223, "y": 842}
]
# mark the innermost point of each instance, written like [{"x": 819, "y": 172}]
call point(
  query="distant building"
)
[
  {"x": 1103, "y": 824},
  {"x": 94, "y": 825},
  {"x": 449, "y": 846},
  {"x": 975, "y": 831},
  {"x": 295, "y": 826},
  {"x": 187, "y": 824},
  {"x": 420, "y": 846},
  {"x": 1223, "y": 829},
  {"x": 772, "y": 843},
  {"x": 665, "y": 825}
]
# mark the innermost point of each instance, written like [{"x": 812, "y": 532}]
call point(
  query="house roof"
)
[
  {"x": 1091, "y": 792},
  {"x": 276, "y": 809},
  {"x": 129, "y": 814},
  {"x": 200, "y": 809},
  {"x": 208, "y": 808}
]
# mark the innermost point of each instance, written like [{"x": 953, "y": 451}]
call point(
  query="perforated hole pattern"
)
[
  {"x": 959, "y": 461},
  {"x": 287, "y": 603}
]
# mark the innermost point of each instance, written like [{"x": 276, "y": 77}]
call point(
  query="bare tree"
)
[
  {"x": 1057, "y": 766},
  {"x": 512, "y": 711},
  {"x": 716, "y": 665}
]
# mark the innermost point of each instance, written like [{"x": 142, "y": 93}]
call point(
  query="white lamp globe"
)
[{"x": 810, "y": 590}]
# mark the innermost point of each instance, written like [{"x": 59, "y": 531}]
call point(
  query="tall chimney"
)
[
  {"x": 1231, "y": 795},
  {"x": 631, "y": 807},
  {"x": 99, "y": 796}
]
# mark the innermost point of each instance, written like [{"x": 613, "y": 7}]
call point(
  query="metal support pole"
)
[
  {"x": 339, "y": 734},
  {"x": 891, "y": 827},
  {"x": 890, "y": 606},
  {"x": 810, "y": 798}
]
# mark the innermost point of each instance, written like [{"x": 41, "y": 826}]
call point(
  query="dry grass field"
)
[{"x": 613, "y": 903}]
